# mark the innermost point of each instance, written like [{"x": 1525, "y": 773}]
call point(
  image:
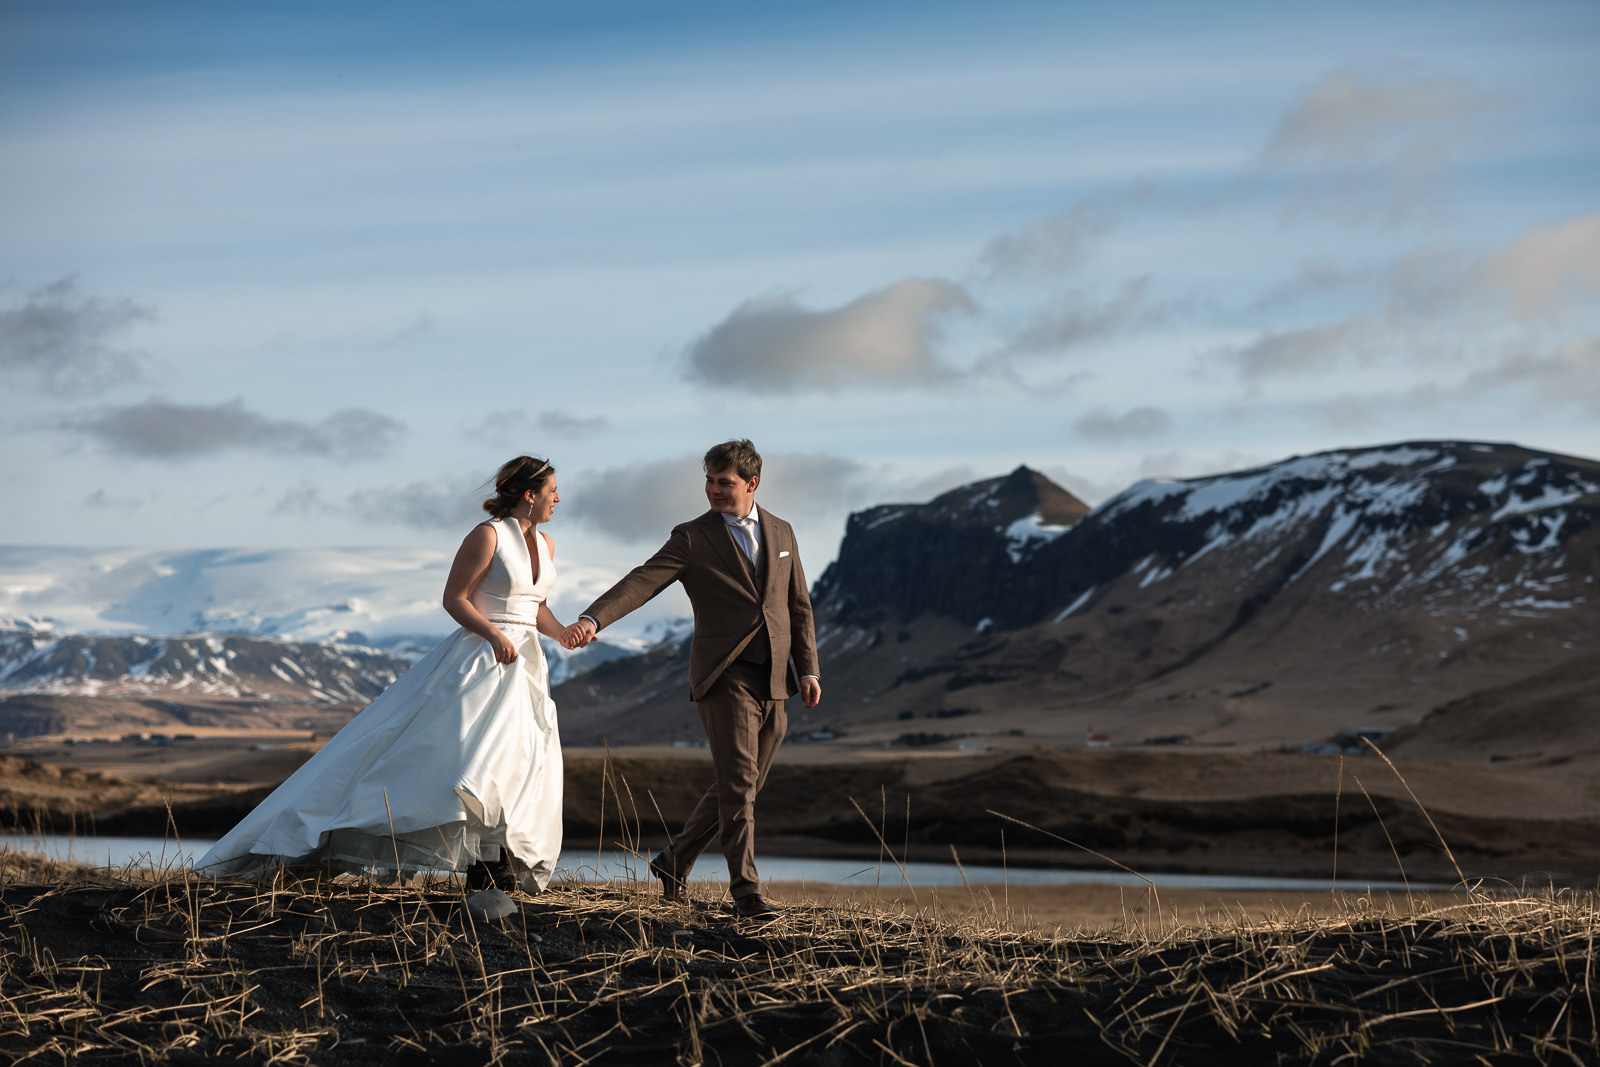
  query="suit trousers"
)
[{"x": 743, "y": 728}]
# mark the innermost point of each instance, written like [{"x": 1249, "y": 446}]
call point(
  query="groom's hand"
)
[
  {"x": 810, "y": 691},
  {"x": 578, "y": 634}
]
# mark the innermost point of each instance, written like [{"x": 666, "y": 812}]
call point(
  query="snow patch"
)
[
  {"x": 1028, "y": 535},
  {"x": 888, "y": 516},
  {"x": 1155, "y": 575},
  {"x": 1343, "y": 523},
  {"x": 1551, "y": 497},
  {"x": 1083, "y": 598},
  {"x": 1393, "y": 457}
]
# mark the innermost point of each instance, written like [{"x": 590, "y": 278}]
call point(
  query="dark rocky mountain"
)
[
  {"x": 982, "y": 538},
  {"x": 1358, "y": 588}
]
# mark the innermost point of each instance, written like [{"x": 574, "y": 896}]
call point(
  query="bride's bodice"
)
[{"x": 508, "y": 592}]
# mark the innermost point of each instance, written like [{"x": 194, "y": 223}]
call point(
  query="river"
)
[{"x": 590, "y": 866}]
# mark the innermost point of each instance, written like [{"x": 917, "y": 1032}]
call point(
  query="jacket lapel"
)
[
  {"x": 721, "y": 539},
  {"x": 768, "y": 557}
]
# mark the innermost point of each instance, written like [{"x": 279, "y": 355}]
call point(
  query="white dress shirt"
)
[{"x": 746, "y": 532}]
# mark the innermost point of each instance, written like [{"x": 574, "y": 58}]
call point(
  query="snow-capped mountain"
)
[
  {"x": 383, "y": 597},
  {"x": 1353, "y": 588},
  {"x": 1360, "y": 587},
  {"x": 368, "y": 596},
  {"x": 314, "y": 625},
  {"x": 1467, "y": 530},
  {"x": 1468, "y": 527},
  {"x": 196, "y": 666}
]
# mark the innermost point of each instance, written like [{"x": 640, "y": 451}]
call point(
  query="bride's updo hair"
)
[{"x": 516, "y": 477}]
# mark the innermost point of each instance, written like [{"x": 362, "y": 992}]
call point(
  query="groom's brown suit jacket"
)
[{"x": 729, "y": 608}]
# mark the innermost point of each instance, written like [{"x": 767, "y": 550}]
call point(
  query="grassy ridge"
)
[{"x": 127, "y": 968}]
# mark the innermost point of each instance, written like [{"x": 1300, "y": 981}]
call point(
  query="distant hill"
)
[
  {"x": 60, "y": 683},
  {"x": 96, "y": 638},
  {"x": 74, "y": 683},
  {"x": 1359, "y": 588},
  {"x": 1443, "y": 590}
]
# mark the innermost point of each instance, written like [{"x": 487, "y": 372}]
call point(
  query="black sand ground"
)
[{"x": 96, "y": 968}]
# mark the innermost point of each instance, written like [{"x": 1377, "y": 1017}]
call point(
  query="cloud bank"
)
[
  {"x": 63, "y": 339},
  {"x": 885, "y": 338},
  {"x": 1077, "y": 319},
  {"x": 642, "y": 502},
  {"x": 1101, "y": 425},
  {"x": 419, "y": 505},
  {"x": 1371, "y": 144},
  {"x": 1062, "y": 243},
  {"x": 162, "y": 429},
  {"x": 1435, "y": 302}
]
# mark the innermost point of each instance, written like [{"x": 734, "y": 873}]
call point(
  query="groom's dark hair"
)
[{"x": 741, "y": 455}]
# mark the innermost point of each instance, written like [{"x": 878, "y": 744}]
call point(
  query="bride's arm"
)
[
  {"x": 548, "y": 624},
  {"x": 547, "y": 621},
  {"x": 471, "y": 564}
]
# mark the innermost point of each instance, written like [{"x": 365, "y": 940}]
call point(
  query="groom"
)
[{"x": 752, "y": 616}]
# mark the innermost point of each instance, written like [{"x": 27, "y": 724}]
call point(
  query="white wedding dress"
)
[{"x": 455, "y": 761}]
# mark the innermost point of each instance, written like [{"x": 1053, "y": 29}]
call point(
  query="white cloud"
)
[
  {"x": 641, "y": 502},
  {"x": 534, "y": 432},
  {"x": 1101, "y": 425},
  {"x": 63, "y": 338},
  {"x": 439, "y": 504},
  {"x": 301, "y": 500},
  {"x": 1568, "y": 374},
  {"x": 1077, "y": 319},
  {"x": 420, "y": 505},
  {"x": 885, "y": 338},
  {"x": 163, "y": 429},
  {"x": 638, "y": 502},
  {"x": 1434, "y": 300},
  {"x": 1300, "y": 351},
  {"x": 1550, "y": 268},
  {"x": 565, "y": 423},
  {"x": 1365, "y": 144},
  {"x": 1351, "y": 412},
  {"x": 1348, "y": 117},
  {"x": 1062, "y": 243}
]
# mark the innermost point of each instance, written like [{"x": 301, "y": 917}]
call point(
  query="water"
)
[{"x": 590, "y": 866}]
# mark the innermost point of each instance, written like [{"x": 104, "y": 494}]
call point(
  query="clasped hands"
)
[{"x": 578, "y": 634}]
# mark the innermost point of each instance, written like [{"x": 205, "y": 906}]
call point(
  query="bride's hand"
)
[
  {"x": 577, "y": 635},
  {"x": 504, "y": 650}
]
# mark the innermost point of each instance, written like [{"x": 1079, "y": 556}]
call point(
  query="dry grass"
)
[{"x": 142, "y": 967}]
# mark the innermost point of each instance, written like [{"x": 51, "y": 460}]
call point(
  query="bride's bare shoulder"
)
[{"x": 481, "y": 539}]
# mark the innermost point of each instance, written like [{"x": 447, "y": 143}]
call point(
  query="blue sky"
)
[{"x": 296, "y": 275}]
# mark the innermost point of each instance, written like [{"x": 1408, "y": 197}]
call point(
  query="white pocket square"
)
[{"x": 782, "y": 554}]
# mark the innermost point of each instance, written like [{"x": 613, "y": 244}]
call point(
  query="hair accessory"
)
[{"x": 542, "y": 468}]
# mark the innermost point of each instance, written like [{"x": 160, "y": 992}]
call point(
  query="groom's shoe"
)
[
  {"x": 673, "y": 889},
  {"x": 483, "y": 876},
  {"x": 753, "y": 907},
  {"x": 478, "y": 877}
]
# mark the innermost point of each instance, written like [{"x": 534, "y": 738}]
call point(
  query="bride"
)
[{"x": 458, "y": 764}]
